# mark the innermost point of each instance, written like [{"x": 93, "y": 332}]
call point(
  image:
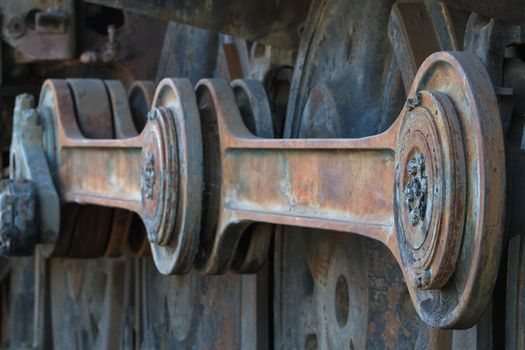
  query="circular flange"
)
[
  {"x": 470, "y": 99},
  {"x": 172, "y": 176},
  {"x": 430, "y": 190}
]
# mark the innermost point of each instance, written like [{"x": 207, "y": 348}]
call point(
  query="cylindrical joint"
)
[{"x": 430, "y": 191}]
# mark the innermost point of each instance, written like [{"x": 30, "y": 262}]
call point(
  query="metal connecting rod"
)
[{"x": 431, "y": 187}]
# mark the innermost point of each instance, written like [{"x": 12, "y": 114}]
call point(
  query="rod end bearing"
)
[
  {"x": 430, "y": 190},
  {"x": 171, "y": 179}
]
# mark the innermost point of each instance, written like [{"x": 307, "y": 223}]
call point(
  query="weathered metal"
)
[
  {"x": 18, "y": 223},
  {"x": 174, "y": 140},
  {"x": 29, "y": 162},
  {"x": 273, "y": 23},
  {"x": 349, "y": 189},
  {"x": 252, "y": 249},
  {"x": 449, "y": 256}
]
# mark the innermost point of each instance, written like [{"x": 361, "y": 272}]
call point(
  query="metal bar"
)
[
  {"x": 297, "y": 187},
  {"x": 103, "y": 172},
  {"x": 338, "y": 184}
]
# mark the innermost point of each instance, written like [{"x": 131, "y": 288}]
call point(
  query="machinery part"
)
[
  {"x": 29, "y": 162},
  {"x": 416, "y": 30},
  {"x": 124, "y": 128},
  {"x": 150, "y": 153},
  {"x": 251, "y": 20},
  {"x": 140, "y": 96},
  {"x": 33, "y": 27},
  {"x": 450, "y": 267},
  {"x": 307, "y": 167},
  {"x": 174, "y": 237},
  {"x": 255, "y": 111},
  {"x": 18, "y": 225}
]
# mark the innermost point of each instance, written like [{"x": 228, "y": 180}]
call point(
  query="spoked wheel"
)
[{"x": 354, "y": 65}]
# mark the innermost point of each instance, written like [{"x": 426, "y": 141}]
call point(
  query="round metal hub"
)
[
  {"x": 461, "y": 139},
  {"x": 171, "y": 183},
  {"x": 430, "y": 190},
  {"x": 159, "y": 163}
]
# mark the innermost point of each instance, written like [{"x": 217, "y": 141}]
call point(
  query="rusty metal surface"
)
[
  {"x": 332, "y": 336},
  {"x": 416, "y": 30},
  {"x": 173, "y": 224},
  {"x": 449, "y": 287},
  {"x": 28, "y": 161},
  {"x": 18, "y": 229},
  {"x": 252, "y": 250}
]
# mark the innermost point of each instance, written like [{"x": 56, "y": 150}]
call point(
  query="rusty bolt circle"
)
[
  {"x": 159, "y": 157},
  {"x": 153, "y": 113},
  {"x": 416, "y": 190},
  {"x": 175, "y": 210},
  {"x": 423, "y": 279},
  {"x": 427, "y": 167},
  {"x": 16, "y": 27}
]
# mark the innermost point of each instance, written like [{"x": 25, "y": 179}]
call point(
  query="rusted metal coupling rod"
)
[{"x": 431, "y": 187}]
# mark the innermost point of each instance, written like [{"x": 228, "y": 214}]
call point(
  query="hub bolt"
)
[{"x": 416, "y": 189}]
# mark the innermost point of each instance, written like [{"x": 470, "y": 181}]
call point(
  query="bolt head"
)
[
  {"x": 153, "y": 114},
  {"x": 413, "y": 102},
  {"x": 416, "y": 187},
  {"x": 152, "y": 236},
  {"x": 412, "y": 167},
  {"x": 423, "y": 280},
  {"x": 409, "y": 195},
  {"x": 424, "y": 185},
  {"x": 420, "y": 160},
  {"x": 414, "y": 216},
  {"x": 16, "y": 27}
]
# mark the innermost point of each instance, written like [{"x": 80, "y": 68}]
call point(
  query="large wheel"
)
[{"x": 355, "y": 62}]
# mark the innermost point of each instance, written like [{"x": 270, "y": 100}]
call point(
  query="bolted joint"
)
[
  {"x": 416, "y": 190},
  {"x": 413, "y": 102},
  {"x": 423, "y": 279},
  {"x": 18, "y": 226},
  {"x": 153, "y": 114},
  {"x": 148, "y": 175}
]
